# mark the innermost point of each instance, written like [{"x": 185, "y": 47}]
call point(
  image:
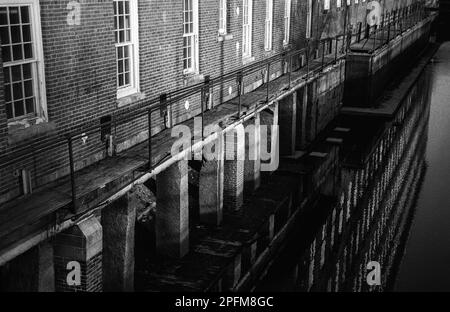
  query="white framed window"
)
[
  {"x": 190, "y": 36},
  {"x": 287, "y": 21},
  {"x": 127, "y": 46},
  {"x": 338, "y": 3},
  {"x": 222, "y": 17},
  {"x": 309, "y": 19},
  {"x": 22, "y": 55},
  {"x": 349, "y": 2},
  {"x": 356, "y": 1},
  {"x": 268, "y": 25},
  {"x": 326, "y": 5},
  {"x": 247, "y": 17}
]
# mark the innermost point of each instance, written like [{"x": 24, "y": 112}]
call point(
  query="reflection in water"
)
[{"x": 369, "y": 213}]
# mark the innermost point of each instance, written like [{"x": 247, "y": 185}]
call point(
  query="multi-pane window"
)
[
  {"x": 287, "y": 20},
  {"x": 126, "y": 36},
  {"x": 326, "y": 5},
  {"x": 222, "y": 17},
  {"x": 247, "y": 17},
  {"x": 338, "y": 3},
  {"x": 268, "y": 25},
  {"x": 22, "y": 59},
  {"x": 190, "y": 36}
]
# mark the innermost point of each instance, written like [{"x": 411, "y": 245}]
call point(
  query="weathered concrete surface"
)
[
  {"x": 211, "y": 186},
  {"x": 32, "y": 271},
  {"x": 118, "y": 222},
  {"x": 234, "y": 169},
  {"x": 172, "y": 211},
  {"x": 252, "y": 164}
]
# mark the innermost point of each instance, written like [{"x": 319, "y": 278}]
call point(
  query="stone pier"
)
[
  {"x": 287, "y": 121},
  {"x": 78, "y": 257},
  {"x": 32, "y": 271},
  {"x": 252, "y": 164},
  {"x": 118, "y": 222},
  {"x": 172, "y": 211},
  {"x": 211, "y": 185},
  {"x": 234, "y": 169}
]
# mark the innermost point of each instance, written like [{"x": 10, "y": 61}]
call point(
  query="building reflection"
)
[{"x": 368, "y": 210}]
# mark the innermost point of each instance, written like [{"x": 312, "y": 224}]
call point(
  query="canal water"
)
[{"x": 391, "y": 204}]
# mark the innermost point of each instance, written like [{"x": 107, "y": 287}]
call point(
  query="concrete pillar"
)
[
  {"x": 269, "y": 146},
  {"x": 233, "y": 188},
  {"x": 32, "y": 271},
  {"x": 118, "y": 222},
  {"x": 172, "y": 211},
  {"x": 211, "y": 184},
  {"x": 287, "y": 121},
  {"x": 252, "y": 164},
  {"x": 78, "y": 257}
]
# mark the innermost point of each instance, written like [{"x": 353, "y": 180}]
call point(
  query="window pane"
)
[
  {"x": 18, "y": 109},
  {"x": 6, "y": 53},
  {"x": 15, "y": 34},
  {"x": 14, "y": 15},
  {"x": 121, "y": 36},
  {"x": 120, "y": 66},
  {"x": 28, "y": 86},
  {"x": 26, "y": 31},
  {"x": 29, "y": 105},
  {"x": 127, "y": 65},
  {"x": 17, "y": 52},
  {"x": 25, "y": 14},
  {"x": 8, "y": 93},
  {"x": 26, "y": 71},
  {"x": 17, "y": 91},
  {"x": 120, "y": 80},
  {"x": 119, "y": 52},
  {"x": 16, "y": 73},
  {"x": 4, "y": 35},
  {"x": 121, "y": 7},
  {"x": 9, "y": 113},
  {"x": 3, "y": 16},
  {"x": 126, "y": 51},
  {"x": 28, "y": 49},
  {"x": 127, "y": 7},
  {"x": 127, "y": 78}
]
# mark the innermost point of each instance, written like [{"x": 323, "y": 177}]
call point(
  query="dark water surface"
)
[
  {"x": 426, "y": 264},
  {"x": 390, "y": 203}
]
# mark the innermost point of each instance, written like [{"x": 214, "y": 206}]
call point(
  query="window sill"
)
[
  {"x": 287, "y": 46},
  {"x": 224, "y": 37},
  {"x": 130, "y": 99},
  {"x": 248, "y": 59},
  {"x": 25, "y": 129},
  {"x": 192, "y": 78}
]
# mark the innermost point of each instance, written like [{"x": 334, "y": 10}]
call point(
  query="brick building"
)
[
  {"x": 73, "y": 52},
  {"x": 72, "y": 66}
]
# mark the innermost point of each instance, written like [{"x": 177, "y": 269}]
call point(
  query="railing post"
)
[
  {"x": 205, "y": 97},
  {"x": 290, "y": 69},
  {"x": 164, "y": 110},
  {"x": 268, "y": 81},
  {"x": 149, "y": 139},
  {"x": 307, "y": 60},
  {"x": 72, "y": 176},
  {"x": 239, "y": 87}
]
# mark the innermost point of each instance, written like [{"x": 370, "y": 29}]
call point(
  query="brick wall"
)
[{"x": 80, "y": 70}]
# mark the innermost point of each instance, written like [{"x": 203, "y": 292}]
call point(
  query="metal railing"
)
[
  {"x": 391, "y": 24},
  {"x": 330, "y": 54}
]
